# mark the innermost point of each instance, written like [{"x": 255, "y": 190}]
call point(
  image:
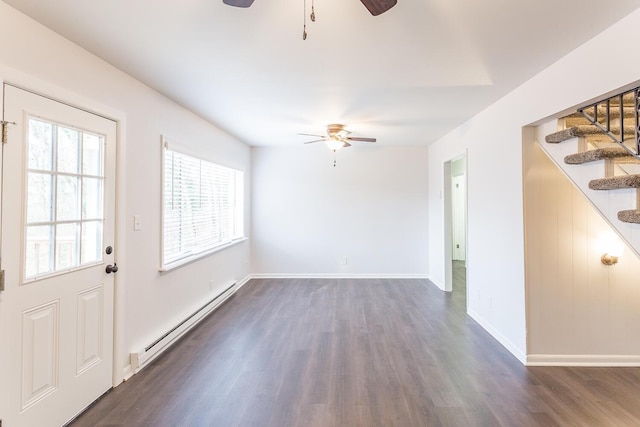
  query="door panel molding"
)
[{"x": 59, "y": 357}]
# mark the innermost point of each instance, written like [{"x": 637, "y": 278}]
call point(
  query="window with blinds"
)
[{"x": 202, "y": 207}]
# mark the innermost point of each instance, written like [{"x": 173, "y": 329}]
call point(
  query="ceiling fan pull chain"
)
[
  {"x": 304, "y": 22},
  {"x": 334, "y": 158},
  {"x": 313, "y": 13}
]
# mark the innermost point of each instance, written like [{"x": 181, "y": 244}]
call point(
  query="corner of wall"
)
[
  {"x": 437, "y": 283},
  {"x": 516, "y": 351}
]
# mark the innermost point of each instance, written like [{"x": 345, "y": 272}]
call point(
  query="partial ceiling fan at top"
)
[{"x": 375, "y": 7}]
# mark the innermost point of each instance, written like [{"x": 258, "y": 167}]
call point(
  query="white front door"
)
[{"x": 56, "y": 312}]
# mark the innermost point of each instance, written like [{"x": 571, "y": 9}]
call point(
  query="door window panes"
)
[
  {"x": 91, "y": 198},
  {"x": 67, "y": 198},
  {"x": 39, "y": 199},
  {"x": 40, "y": 145},
  {"x": 39, "y": 250},
  {"x": 64, "y": 206},
  {"x": 68, "y": 147},
  {"x": 67, "y": 246},
  {"x": 92, "y": 154}
]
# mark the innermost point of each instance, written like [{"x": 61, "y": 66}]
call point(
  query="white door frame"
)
[
  {"x": 448, "y": 223},
  {"x": 56, "y": 93},
  {"x": 448, "y": 227}
]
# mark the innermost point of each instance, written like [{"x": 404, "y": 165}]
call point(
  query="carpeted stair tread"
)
[
  {"x": 632, "y": 216},
  {"x": 615, "y": 182},
  {"x": 597, "y": 154},
  {"x": 606, "y": 143},
  {"x": 575, "y": 119},
  {"x": 582, "y": 130},
  {"x": 627, "y": 160},
  {"x": 594, "y": 144},
  {"x": 628, "y": 110},
  {"x": 572, "y": 132}
]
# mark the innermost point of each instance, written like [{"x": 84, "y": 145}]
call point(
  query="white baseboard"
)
[
  {"x": 127, "y": 372},
  {"x": 243, "y": 282},
  {"x": 506, "y": 343},
  {"x": 603, "y": 360},
  {"x": 335, "y": 276}
]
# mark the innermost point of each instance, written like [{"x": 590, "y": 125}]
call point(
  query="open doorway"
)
[
  {"x": 459, "y": 223},
  {"x": 455, "y": 202}
]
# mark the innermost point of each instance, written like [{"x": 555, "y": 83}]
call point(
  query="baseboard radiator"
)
[{"x": 142, "y": 358}]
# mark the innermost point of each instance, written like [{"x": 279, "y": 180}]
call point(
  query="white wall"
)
[
  {"x": 149, "y": 302},
  {"x": 371, "y": 208},
  {"x": 578, "y": 310},
  {"x": 493, "y": 140}
]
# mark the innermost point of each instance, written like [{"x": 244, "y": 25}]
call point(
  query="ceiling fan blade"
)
[
  {"x": 346, "y": 144},
  {"x": 315, "y": 140},
  {"x": 311, "y": 134},
  {"x": 355, "y": 138},
  {"x": 238, "y": 3},
  {"x": 377, "y": 7}
]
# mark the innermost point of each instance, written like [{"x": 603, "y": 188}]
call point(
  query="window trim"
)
[
  {"x": 199, "y": 255},
  {"x": 194, "y": 256}
]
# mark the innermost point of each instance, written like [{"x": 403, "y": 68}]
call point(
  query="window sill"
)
[{"x": 200, "y": 255}]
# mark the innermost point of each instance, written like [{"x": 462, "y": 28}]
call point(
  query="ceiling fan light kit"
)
[
  {"x": 337, "y": 137},
  {"x": 335, "y": 144}
]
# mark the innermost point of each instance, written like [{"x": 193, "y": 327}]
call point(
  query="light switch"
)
[{"x": 137, "y": 222}]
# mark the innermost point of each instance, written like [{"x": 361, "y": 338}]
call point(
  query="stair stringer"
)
[{"x": 607, "y": 203}]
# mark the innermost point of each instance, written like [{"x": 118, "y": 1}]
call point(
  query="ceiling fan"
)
[
  {"x": 375, "y": 7},
  {"x": 337, "y": 137}
]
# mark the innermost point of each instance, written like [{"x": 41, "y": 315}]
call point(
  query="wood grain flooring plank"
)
[{"x": 358, "y": 353}]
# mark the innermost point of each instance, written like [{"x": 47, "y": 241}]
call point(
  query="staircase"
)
[
  {"x": 607, "y": 131},
  {"x": 598, "y": 148}
]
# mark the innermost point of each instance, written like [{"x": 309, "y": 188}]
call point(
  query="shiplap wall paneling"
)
[{"x": 576, "y": 306}]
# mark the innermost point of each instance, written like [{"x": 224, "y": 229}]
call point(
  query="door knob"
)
[{"x": 111, "y": 268}]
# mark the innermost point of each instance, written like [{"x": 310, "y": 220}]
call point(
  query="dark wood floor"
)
[{"x": 320, "y": 352}]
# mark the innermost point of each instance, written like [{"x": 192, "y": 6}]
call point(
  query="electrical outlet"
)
[{"x": 343, "y": 260}]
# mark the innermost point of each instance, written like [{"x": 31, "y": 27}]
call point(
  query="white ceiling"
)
[{"x": 406, "y": 77}]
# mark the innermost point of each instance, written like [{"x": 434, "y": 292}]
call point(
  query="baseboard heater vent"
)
[{"x": 142, "y": 358}]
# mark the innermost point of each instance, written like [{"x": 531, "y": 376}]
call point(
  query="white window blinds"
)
[{"x": 202, "y": 207}]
